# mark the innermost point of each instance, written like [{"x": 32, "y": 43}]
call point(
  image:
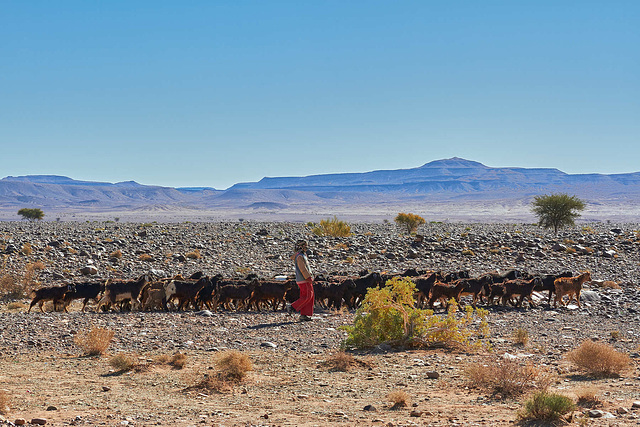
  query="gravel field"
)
[{"x": 40, "y": 364}]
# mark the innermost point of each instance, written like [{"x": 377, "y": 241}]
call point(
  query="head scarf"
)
[{"x": 300, "y": 245}]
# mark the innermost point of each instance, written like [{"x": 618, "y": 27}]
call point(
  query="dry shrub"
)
[
  {"x": 12, "y": 306},
  {"x": 95, "y": 342},
  {"x": 26, "y": 249},
  {"x": 178, "y": 360},
  {"x": 123, "y": 362},
  {"x": 145, "y": 257},
  {"x": 5, "y": 401},
  {"x": 398, "y": 399},
  {"x": 195, "y": 254},
  {"x": 588, "y": 397},
  {"x": 10, "y": 287},
  {"x": 342, "y": 362},
  {"x": 521, "y": 336},
  {"x": 233, "y": 365},
  {"x": 117, "y": 254},
  {"x": 211, "y": 384},
  {"x": 599, "y": 359},
  {"x": 507, "y": 377}
]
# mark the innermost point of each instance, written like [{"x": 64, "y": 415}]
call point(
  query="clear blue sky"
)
[{"x": 211, "y": 93}]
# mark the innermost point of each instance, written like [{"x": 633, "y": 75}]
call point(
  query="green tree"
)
[
  {"x": 557, "y": 210},
  {"x": 31, "y": 214},
  {"x": 409, "y": 221}
]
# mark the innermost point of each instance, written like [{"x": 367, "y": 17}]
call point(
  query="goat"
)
[
  {"x": 120, "y": 291},
  {"x": 155, "y": 299},
  {"x": 185, "y": 291},
  {"x": 477, "y": 287},
  {"x": 205, "y": 296},
  {"x": 272, "y": 291},
  {"x": 570, "y": 286},
  {"x": 443, "y": 292},
  {"x": 423, "y": 287},
  {"x": 548, "y": 283},
  {"x": 52, "y": 293},
  {"x": 88, "y": 291},
  {"x": 362, "y": 285},
  {"x": 238, "y": 292},
  {"x": 521, "y": 287}
]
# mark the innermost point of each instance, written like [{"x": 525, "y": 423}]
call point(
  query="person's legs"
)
[{"x": 305, "y": 303}]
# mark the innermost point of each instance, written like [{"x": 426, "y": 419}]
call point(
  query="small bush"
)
[
  {"x": 468, "y": 252},
  {"x": 233, "y": 365},
  {"x": 332, "y": 227},
  {"x": 399, "y": 399},
  {"x": 178, "y": 360},
  {"x": 409, "y": 221},
  {"x": 588, "y": 397},
  {"x": 599, "y": 359},
  {"x": 26, "y": 249},
  {"x": 123, "y": 362},
  {"x": 95, "y": 342},
  {"x": 387, "y": 315},
  {"x": 16, "y": 306},
  {"x": 5, "y": 402},
  {"x": 521, "y": 336},
  {"x": 506, "y": 377},
  {"x": 145, "y": 257},
  {"x": 546, "y": 407},
  {"x": 342, "y": 362},
  {"x": 117, "y": 254},
  {"x": 10, "y": 287},
  {"x": 195, "y": 254}
]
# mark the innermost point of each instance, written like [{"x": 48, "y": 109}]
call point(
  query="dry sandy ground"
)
[{"x": 285, "y": 388}]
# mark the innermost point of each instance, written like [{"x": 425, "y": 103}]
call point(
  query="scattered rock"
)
[
  {"x": 39, "y": 421},
  {"x": 433, "y": 375}
]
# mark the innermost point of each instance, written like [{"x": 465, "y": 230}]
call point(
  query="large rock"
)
[{"x": 89, "y": 270}]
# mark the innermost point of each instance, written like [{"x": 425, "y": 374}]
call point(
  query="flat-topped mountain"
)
[{"x": 452, "y": 180}]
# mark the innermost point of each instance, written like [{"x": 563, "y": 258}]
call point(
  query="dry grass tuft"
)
[
  {"x": 507, "y": 378},
  {"x": 117, "y": 254},
  {"x": 195, "y": 254},
  {"x": 178, "y": 360},
  {"x": 146, "y": 257},
  {"x": 398, "y": 399},
  {"x": 123, "y": 362},
  {"x": 95, "y": 342},
  {"x": 588, "y": 397},
  {"x": 13, "y": 306},
  {"x": 343, "y": 362},
  {"x": 599, "y": 359},
  {"x": 5, "y": 401},
  {"x": 521, "y": 336},
  {"x": 233, "y": 365}
]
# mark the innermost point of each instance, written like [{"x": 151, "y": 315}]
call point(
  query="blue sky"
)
[{"x": 211, "y": 93}]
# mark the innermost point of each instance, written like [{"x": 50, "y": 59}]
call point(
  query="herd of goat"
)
[{"x": 332, "y": 291}]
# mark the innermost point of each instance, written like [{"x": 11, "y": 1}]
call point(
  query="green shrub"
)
[
  {"x": 546, "y": 407},
  {"x": 388, "y": 315},
  {"x": 409, "y": 221},
  {"x": 332, "y": 227}
]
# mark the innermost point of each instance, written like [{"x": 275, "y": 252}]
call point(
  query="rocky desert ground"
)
[{"x": 45, "y": 378}]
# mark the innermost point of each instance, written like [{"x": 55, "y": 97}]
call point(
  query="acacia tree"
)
[
  {"x": 557, "y": 210},
  {"x": 31, "y": 214},
  {"x": 409, "y": 221}
]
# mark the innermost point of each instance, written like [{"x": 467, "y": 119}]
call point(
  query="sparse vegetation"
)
[
  {"x": 546, "y": 407},
  {"x": 506, "y": 378},
  {"x": 398, "y": 399},
  {"x": 26, "y": 249},
  {"x": 31, "y": 214},
  {"x": 123, "y": 362},
  {"x": 233, "y": 365},
  {"x": 599, "y": 359},
  {"x": 557, "y": 210},
  {"x": 588, "y": 397},
  {"x": 521, "y": 336},
  {"x": 178, "y": 360},
  {"x": 195, "y": 254},
  {"x": 409, "y": 221},
  {"x": 387, "y": 315},
  {"x": 342, "y": 362},
  {"x": 95, "y": 342},
  {"x": 117, "y": 254},
  {"x": 332, "y": 227},
  {"x": 146, "y": 257}
]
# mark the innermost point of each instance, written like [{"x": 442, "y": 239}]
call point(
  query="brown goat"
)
[
  {"x": 53, "y": 293},
  {"x": 521, "y": 287},
  {"x": 570, "y": 286},
  {"x": 443, "y": 293}
]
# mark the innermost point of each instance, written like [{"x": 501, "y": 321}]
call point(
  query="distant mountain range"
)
[{"x": 449, "y": 180}]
